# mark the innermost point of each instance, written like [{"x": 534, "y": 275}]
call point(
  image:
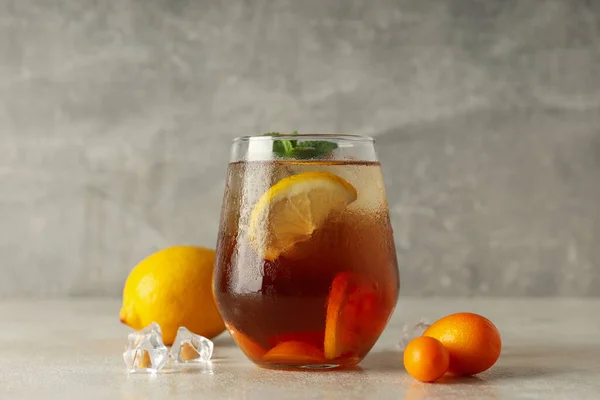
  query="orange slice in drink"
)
[
  {"x": 294, "y": 352},
  {"x": 252, "y": 349},
  {"x": 313, "y": 338},
  {"x": 354, "y": 315},
  {"x": 295, "y": 207}
]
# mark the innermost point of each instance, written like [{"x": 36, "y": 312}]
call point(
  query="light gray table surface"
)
[{"x": 72, "y": 350}]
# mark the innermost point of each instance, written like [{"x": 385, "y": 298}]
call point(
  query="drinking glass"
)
[{"x": 306, "y": 273}]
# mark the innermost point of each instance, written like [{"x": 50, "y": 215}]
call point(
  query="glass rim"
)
[{"x": 305, "y": 136}]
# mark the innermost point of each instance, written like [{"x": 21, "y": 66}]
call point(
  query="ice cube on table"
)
[
  {"x": 191, "y": 348},
  {"x": 412, "y": 330},
  {"x": 145, "y": 351}
]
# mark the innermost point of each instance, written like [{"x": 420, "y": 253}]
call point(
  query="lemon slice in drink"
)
[{"x": 295, "y": 207}]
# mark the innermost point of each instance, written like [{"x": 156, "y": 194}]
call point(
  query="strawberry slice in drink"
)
[{"x": 355, "y": 315}]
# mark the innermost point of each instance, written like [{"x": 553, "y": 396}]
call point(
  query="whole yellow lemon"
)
[{"x": 173, "y": 287}]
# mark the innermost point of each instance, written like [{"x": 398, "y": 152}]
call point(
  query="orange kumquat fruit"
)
[
  {"x": 473, "y": 342},
  {"x": 426, "y": 359}
]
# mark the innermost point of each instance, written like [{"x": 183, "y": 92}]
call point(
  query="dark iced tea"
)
[{"x": 306, "y": 273}]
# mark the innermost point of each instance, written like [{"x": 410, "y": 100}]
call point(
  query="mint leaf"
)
[
  {"x": 286, "y": 148},
  {"x": 319, "y": 146},
  {"x": 313, "y": 149},
  {"x": 294, "y": 142},
  {"x": 305, "y": 154},
  {"x": 283, "y": 147}
]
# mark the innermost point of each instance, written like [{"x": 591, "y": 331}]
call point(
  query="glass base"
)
[
  {"x": 301, "y": 367},
  {"x": 298, "y": 365}
]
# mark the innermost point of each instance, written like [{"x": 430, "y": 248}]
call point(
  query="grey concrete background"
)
[{"x": 116, "y": 118}]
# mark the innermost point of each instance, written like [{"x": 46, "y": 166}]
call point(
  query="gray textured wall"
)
[{"x": 116, "y": 117}]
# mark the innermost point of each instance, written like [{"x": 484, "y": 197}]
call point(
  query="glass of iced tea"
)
[{"x": 306, "y": 273}]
